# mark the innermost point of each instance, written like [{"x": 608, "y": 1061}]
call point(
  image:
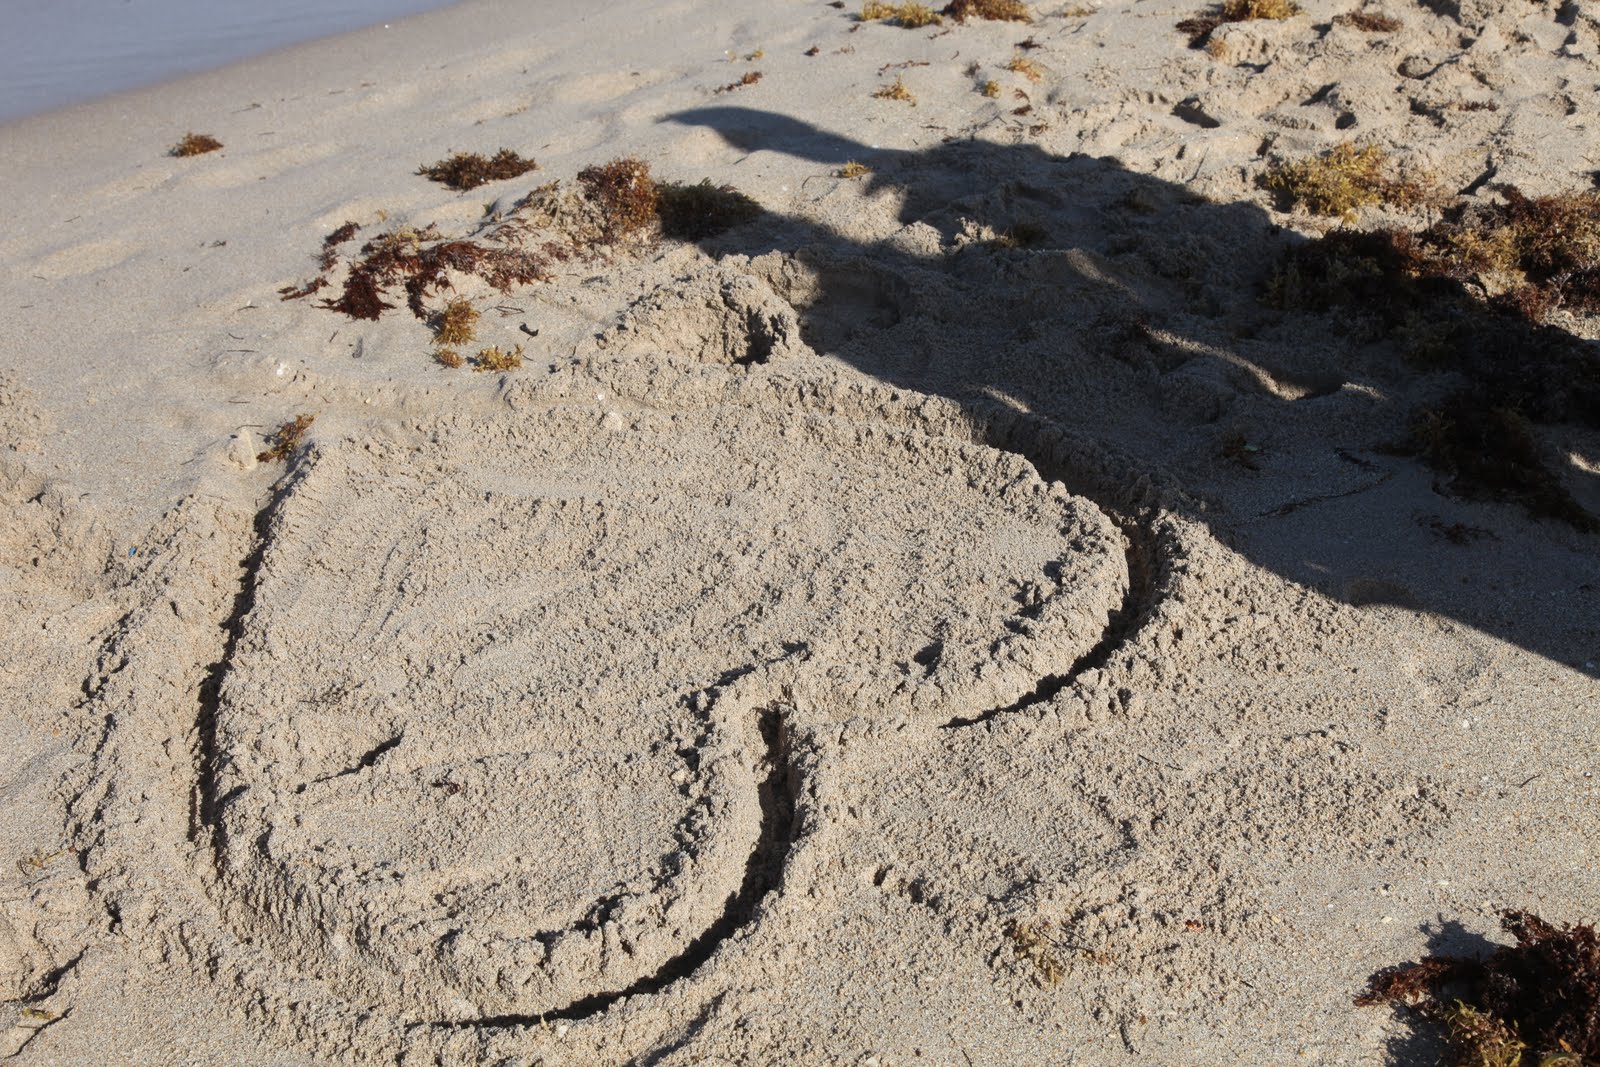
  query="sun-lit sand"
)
[{"x": 962, "y": 613}]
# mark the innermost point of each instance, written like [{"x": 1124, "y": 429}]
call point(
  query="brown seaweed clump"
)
[
  {"x": 1471, "y": 295},
  {"x": 1532, "y": 1004},
  {"x": 495, "y": 358},
  {"x": 1530, "y": 255},
  {"x": 994, "y": 10},
  {"x": 906, "y": 16},
  {"x": 195, "y": 144},
  {"x": 286, "y": 440},
  {"x": 420, "y": 261},
  {"x": 1542, "y": 253},
  {"x": 1369, "y": 21},
  {"x": 615, "y": 203},
  {"x": 695, "y": 212},
  {"x": 1026, "y": 67},
  {"x": 895, "y": 90},
  {"x": 1489, "y": 450},
  {"x": 1245, "y": 10},
  {"x": 331, "y": 243},
  {"x": 326, "y": 259},
  {"x": 625, "y": 194},
  {"x": 457, "y": 324},
  {"x": 750, "y": 78},
  {"x": 468, "y": 170},
  {"x": 1199, "y": 27},
  {"x": 1343, "y": 179}
]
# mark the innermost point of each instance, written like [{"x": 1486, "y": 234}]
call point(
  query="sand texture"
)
[{"x": 963, "y": 614}]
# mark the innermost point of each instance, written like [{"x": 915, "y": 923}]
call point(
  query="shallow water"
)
[{"x": 62, "y": 52}]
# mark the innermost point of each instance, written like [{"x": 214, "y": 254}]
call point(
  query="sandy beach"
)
[{"x": 884, "y": 544}]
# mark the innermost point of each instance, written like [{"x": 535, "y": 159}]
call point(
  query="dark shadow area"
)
[
  {"x": 1421, "y": 1042},
  {"x": 1468, "y": 1000},
  {"x": 1143, "y": 316}
]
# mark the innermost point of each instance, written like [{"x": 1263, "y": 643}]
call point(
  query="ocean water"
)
[{"x": 61, "y": 52}]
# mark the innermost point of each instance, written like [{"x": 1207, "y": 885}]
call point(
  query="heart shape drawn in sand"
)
[{"x": 490, "y": 740}]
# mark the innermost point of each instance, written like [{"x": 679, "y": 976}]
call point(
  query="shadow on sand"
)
[
  {"x": 1420, "y": 1042},
  {"x": 1130, "y": 309}
]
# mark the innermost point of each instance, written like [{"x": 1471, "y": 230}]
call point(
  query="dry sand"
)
[{"x": 825, "y": 613}]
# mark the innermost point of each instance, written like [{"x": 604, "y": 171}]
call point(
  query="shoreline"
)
[{"x": 162, "y": 54}]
